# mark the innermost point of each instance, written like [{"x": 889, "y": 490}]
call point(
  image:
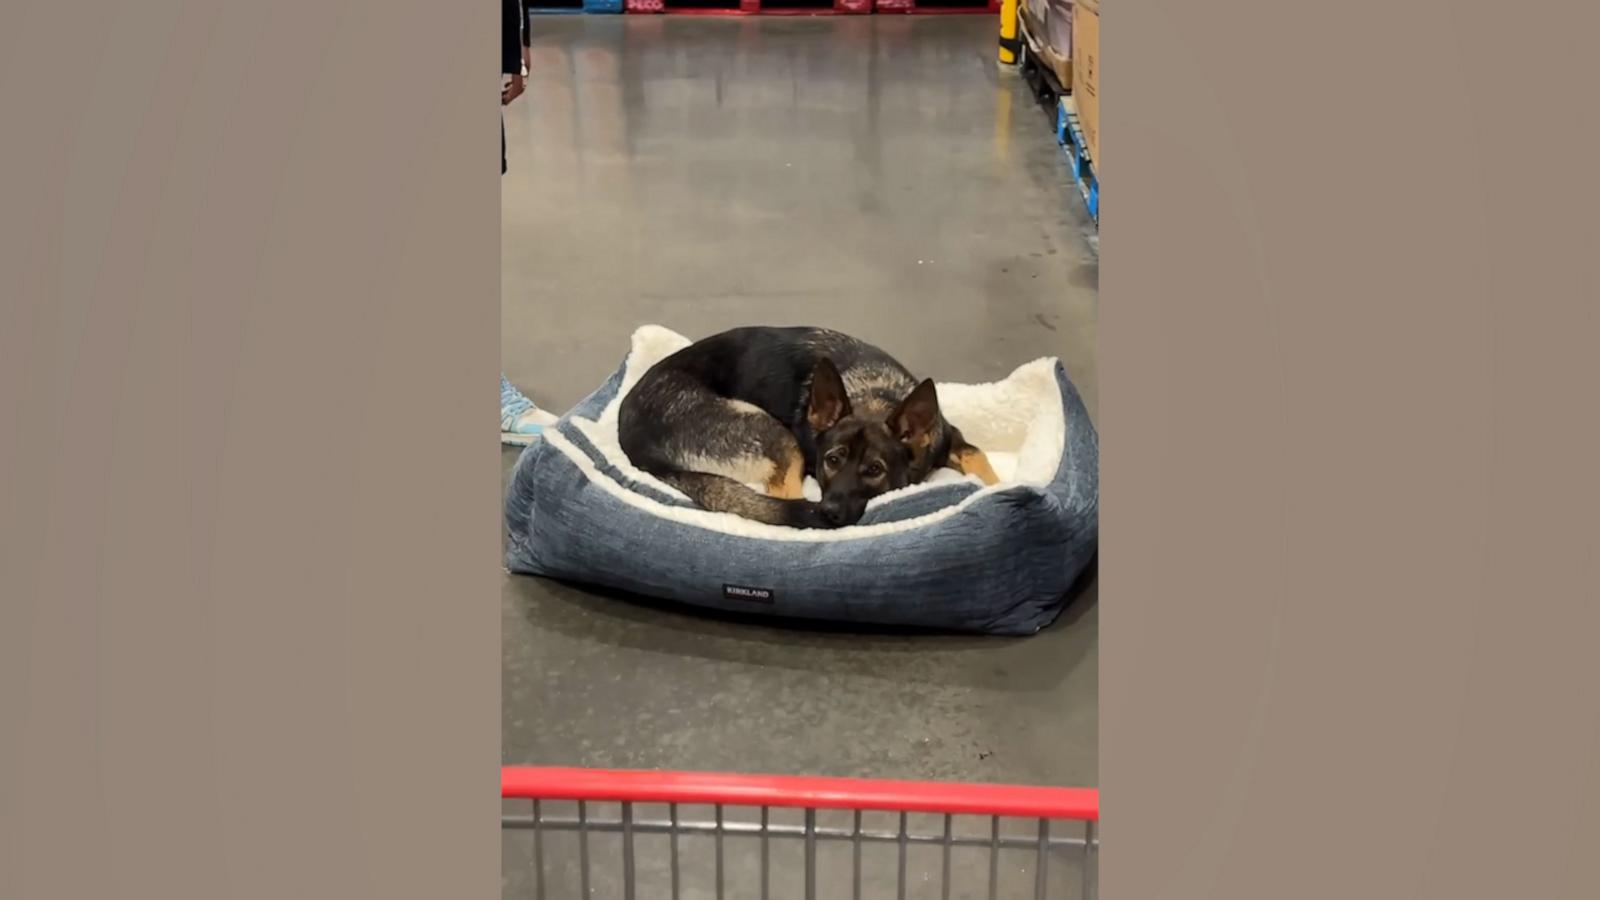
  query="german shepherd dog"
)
[{"x": 770, "y": 406}]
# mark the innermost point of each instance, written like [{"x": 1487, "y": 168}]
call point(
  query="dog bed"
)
[{"x": 949, "y": 554}]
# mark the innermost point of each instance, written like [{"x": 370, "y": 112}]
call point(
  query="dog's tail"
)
[{"x": 719, "y": 493}]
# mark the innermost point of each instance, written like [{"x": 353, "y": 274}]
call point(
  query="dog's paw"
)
[{"x": 808, "y": 515}]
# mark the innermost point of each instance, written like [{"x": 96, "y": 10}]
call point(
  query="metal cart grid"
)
[{"x": 594, "y": 833}]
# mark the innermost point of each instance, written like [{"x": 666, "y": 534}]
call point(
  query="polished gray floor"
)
[{"x": 877, "y": 175}]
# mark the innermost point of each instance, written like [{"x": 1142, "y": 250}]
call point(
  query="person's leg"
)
[{"x": 521, "y": 420}]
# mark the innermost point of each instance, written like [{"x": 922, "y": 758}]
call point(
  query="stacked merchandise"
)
[
  {"x": 1061, "y": 42},
  {"x": 1049, "y": 27},
  {"x": 1086, "y": 75}
]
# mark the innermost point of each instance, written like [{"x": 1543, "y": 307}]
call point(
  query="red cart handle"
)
[{"x": 615, "y": 786}]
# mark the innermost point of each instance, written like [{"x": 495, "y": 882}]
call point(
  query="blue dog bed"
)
[{"x": 947, "y": 554}]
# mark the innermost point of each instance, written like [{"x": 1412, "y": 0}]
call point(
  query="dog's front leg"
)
[{"x": 969, "y": 460}]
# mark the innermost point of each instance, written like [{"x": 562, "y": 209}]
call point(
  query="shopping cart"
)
[{"x": 585, "y": 833}]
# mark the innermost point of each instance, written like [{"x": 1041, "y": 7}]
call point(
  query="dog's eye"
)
[
  {"x": 834, "y": 460},
  {"x": 873, "y": 471}
]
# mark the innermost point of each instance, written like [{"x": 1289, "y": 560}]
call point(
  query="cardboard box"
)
[
  {"x": 1049, "y": 26},
  {"x": 1032, "y": 15},
  {"x": 1086, "y": 74},
  {"x": 1058, "y": 27}
]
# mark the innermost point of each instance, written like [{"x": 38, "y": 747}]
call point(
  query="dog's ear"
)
[
  {"x": 916, "y": 416},
  {"x": 828, "y": 402}
]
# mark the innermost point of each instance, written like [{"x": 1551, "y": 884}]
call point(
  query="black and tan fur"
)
[{"x": 769, "y": 406}]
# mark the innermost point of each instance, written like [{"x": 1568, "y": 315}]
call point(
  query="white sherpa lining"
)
[{"x": 1017, "y": 421}]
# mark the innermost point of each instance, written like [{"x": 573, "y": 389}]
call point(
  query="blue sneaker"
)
[{"x": 521, "y": 420}]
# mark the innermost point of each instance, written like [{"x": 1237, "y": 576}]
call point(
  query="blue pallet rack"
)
[
  {"x": 1052, "y": 95},
  {"x": 1070, "y": 134},
  {"x": 589, "y": 6}
]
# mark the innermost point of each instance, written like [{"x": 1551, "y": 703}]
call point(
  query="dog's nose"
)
[{"x": 840, "y": 513}]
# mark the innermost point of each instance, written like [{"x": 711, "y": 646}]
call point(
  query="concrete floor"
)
[{"x": 877, "y": 175}]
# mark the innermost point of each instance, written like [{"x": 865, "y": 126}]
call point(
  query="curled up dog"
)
[{"x": 769, "y": 406}]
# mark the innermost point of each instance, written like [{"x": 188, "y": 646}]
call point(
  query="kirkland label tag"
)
[{"x": 747, "y": 594}]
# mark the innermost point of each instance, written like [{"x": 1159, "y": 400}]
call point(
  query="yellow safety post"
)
[{"x": 1010, "y": 43}]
